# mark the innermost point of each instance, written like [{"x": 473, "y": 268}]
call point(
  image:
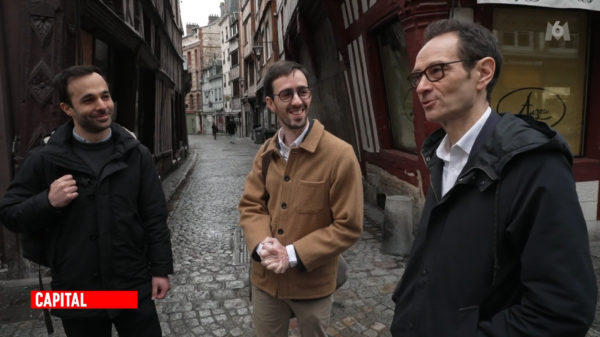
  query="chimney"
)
[
  {"x": 212, "y": 18},
  {"x": 189, "y": 28},
  {"x": 222, "y": 9}
]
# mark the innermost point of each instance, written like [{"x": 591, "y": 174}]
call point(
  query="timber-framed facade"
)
[{"x": 136, "y": 43}]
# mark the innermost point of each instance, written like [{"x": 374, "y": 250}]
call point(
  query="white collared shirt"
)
[
  {"x": 455, "y": 157},
  {"x": 285, "y": 153}
]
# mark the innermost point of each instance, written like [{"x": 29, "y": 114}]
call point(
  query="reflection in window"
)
[
  {"x": 544, "y": 78},
  {"x": 394, "y": 60},
  {"x": 101, "y": 57}
]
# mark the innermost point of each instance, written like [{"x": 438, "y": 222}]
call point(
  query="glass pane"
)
[
  {"x": 542, "y": 75},
  {"x": 394, "y": 60},
  {"x": 101, "y": 57}
]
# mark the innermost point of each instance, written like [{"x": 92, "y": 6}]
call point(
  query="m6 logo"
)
[{"x": 558, "y": 31}]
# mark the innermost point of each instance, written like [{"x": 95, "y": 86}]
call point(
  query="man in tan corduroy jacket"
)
[{"x": 307, "y": 213}]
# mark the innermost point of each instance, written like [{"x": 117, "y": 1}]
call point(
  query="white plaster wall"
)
[{"x": 588, "y": 198}]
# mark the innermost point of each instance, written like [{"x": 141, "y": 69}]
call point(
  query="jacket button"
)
[
  {"x": 91, "y": 197},
  {"x": 280, "y": 231},
  {"x": 424, "y": 272},
  {"x": 287, "y": 178},
  {"x": 96, "y": 276},
  {"x": 284, "y": 205},
  {"x": 410, "y": 325},
  {"x": 93, "y": 237}
]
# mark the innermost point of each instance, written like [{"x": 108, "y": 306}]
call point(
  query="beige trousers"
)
[{"x": 272, "y": 315}]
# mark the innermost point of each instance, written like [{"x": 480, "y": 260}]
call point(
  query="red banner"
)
[{"x": 84, "y": 300}]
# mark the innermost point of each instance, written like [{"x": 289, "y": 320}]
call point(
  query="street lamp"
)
[{"x": 258, "y": 48}]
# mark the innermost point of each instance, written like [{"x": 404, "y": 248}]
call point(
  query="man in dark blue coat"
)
[
  {"x": 95, "y": 195},
  {"x": 502, "y": 247}
]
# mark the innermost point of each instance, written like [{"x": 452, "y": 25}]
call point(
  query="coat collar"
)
[
  {"x": 59, "y": 150},
  {"x": 311, "y": 140},
  {"x": 512, "y": 135}
]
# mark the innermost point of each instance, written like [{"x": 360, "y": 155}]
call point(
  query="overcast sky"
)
[{"x": 197, "y": 11}]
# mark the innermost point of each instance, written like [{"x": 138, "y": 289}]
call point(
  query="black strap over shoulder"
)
[
  {"x": 266, "y": 160},
  {"x": 47, "y": 319}
]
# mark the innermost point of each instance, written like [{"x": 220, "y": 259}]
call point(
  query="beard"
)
[
  {"x": 90, "y": 124},
  {"x": 292, "y": 122}
]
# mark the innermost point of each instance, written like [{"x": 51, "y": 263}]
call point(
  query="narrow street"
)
[
  {"x": 210, "y": 289},
  {"x": 209, "y": 295}
]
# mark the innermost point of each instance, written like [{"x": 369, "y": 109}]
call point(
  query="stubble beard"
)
[
  {"x": 290, "y": 123},
  {"x": 90, "y": 125}
]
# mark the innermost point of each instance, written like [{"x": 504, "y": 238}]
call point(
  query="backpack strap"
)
[
  {"x": 46, "y": 312},
  {"x": 266, "y": 161},
  {"x": 47, "y": 319}
]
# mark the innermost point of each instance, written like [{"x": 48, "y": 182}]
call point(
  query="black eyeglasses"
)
[
  {"x": 286, "y": 95},
  {"x": 434, "y": 73}
]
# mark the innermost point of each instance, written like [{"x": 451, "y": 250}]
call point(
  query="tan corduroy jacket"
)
[{"x": 316, "y": 204}]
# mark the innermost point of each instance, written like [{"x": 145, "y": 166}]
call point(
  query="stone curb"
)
[{"x": 174, "y": 179}]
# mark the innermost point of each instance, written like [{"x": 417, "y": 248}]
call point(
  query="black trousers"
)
[{"x": 142, "y": 321}]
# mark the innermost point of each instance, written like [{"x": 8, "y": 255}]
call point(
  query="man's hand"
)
[
  {"x": 274, "y": 256},
  {"x": 62, "y": 191},
  {"x": 160, "y": 287}
]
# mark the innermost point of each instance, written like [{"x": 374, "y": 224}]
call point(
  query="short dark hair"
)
[
  {"x": 279, "y": 69},
  {"x": 475, "y": 43},
  {"x": 61, "y": 80}
]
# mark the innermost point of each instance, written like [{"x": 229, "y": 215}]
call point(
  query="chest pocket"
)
[{"x": 310, "y": 196}]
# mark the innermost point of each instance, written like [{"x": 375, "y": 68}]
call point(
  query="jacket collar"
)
[
  {"x": 310, "y": 142},
  {"x": 59, "y": 148},
  {"x": 513, "y": 134}
]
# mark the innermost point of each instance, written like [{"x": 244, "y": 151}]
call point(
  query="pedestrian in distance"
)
[
  {"x": 231, "y": 130},
  {"x": 215, "y": 130},
  {"x": 502, "y": 247},
  {"x": 298, "y": 217},
  {"x": 94, "y": 194}
]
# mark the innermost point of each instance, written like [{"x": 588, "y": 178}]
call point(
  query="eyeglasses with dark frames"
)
[
  {"x": 434, "y": 73},
  {"x": 287, "y": 95}
]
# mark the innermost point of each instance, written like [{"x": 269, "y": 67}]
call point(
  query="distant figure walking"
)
[
  {"x": 231, "y": 130},
  {"x": 214, "y": 130}
]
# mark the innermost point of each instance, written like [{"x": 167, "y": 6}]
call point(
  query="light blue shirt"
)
[{"x": 83, "y": 140}]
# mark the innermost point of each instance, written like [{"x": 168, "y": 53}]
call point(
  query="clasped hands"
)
[{"x": 274, "y": 256}]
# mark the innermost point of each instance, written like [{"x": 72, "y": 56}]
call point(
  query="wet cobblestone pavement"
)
[{"x": 209, "y": 295}]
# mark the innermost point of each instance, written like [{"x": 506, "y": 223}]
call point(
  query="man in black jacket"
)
[
  {"x": 502, "y": 247},
  {"x": 94, "y": 191}
]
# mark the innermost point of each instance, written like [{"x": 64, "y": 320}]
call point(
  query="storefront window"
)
[
  {"x": 394, "y": 60},
  {"x": 544, "y": 69}
]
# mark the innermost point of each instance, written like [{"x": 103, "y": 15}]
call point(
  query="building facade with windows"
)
[
  {"x": 259, "y": 45},
  {"x": 213, "y": 98},
  {"x": 193, "y": 100},
  {"x": 231, "y": 63},
  {"x": 361, "y": 51}
]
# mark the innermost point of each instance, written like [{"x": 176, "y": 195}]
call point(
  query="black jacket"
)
[
  {"x": 231, "y": 128},
  {"x": 114, "y": 235},
  {"x": 505, "y": 252}
]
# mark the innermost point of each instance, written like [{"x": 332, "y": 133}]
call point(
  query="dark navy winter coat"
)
[
  {"x": 114, "y": 235},
  {"x": 505, "y": 252}
]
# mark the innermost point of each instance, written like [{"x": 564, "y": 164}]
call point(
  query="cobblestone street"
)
[
  {"x": 210, "y": 289},
  {"x": 209, "y": 295}
]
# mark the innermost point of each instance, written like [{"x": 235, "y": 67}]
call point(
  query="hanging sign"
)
[{"x": 592, "y": 5}]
